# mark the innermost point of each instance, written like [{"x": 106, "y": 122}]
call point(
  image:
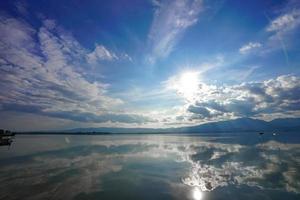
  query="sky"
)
[{"x": 153, "y": 64}]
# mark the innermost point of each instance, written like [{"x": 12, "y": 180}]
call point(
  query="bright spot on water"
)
[
  {"x": 197, "y": 194},
  {"x": 67, "y": 140}
]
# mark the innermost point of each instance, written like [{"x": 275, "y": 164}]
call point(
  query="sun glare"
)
[
  {"x": 197, "y": 194},
  {"x": 188, "y": 84}
]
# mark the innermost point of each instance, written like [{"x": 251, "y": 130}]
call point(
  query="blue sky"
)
[{"x": 133, "y": 63}]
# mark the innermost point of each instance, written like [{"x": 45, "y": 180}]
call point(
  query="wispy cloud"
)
[
  {"x": 171, "y": 19},
  {"x": 284, "y": 28},
  {"x": 279, "y": 33},
  {"x": 250, "y": 47}
]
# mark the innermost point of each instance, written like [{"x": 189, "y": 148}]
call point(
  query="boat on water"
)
[
  {"x": 6, "y": 137},
  {"x": 6, "y": 133}
]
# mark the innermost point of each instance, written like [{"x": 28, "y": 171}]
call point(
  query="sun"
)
[{"x": 188, "y": 84}]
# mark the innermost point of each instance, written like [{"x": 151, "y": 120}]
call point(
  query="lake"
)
[{"x": 151, "y": 166}]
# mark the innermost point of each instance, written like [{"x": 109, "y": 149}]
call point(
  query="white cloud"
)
[
  {"x": 249, "y": 47},
  {"x": 273, "y": 97},
  {"x": 101, "y": 53},
  {"x": 284, "y": 29},
  {"x": 285, "y": 22},
  {"x": 171, "y": 19},
  {"x": 42, "y": 74}
]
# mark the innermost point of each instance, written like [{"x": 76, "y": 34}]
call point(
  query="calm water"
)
[{"x": 227, "y": 166}]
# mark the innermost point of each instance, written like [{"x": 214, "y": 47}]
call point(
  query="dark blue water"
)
[{"x": 174, "y": 166}]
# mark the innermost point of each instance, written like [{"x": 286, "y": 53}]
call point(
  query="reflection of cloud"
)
[
  {"x": 68, "y": 172},
  {"x": 64, "y": 177},
  {"x": 274, "y": 145},
  {"x": 236, "y": 169},
  {"x": 291, "y": 176}
]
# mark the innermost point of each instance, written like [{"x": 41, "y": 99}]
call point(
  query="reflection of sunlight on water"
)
[{"x": 197, "y": 194}]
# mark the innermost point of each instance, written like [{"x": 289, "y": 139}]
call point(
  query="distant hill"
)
[
  {"x": 286, "y": 123},
  {"x": 241, "y": 124},
  {"x": 117, "y": 130},
  {"x": 236, "y": 125}
]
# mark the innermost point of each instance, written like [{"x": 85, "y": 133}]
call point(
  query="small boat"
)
[
  {"x": 6, "y": 137},
  {"x": 6, "y": 133}
]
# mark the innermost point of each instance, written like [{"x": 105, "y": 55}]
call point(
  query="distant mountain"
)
[
  {"x": 236, "y": 125},
  {"x": 241, "y": 124},
  {"x": 286, "y": 123},
  {"x": 117, "y": 130}
]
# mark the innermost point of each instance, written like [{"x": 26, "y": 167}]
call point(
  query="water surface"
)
[{"x": 173, "y": 166}]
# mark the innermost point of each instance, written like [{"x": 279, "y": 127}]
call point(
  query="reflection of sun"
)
[
  {"x": 197, "y": 194},
  {"x": 188, "y": 84}
]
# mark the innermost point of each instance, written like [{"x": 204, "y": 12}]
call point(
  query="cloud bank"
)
[
  {"x": 278, "y": 97},
  {"x": 43, "y": 71}
]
